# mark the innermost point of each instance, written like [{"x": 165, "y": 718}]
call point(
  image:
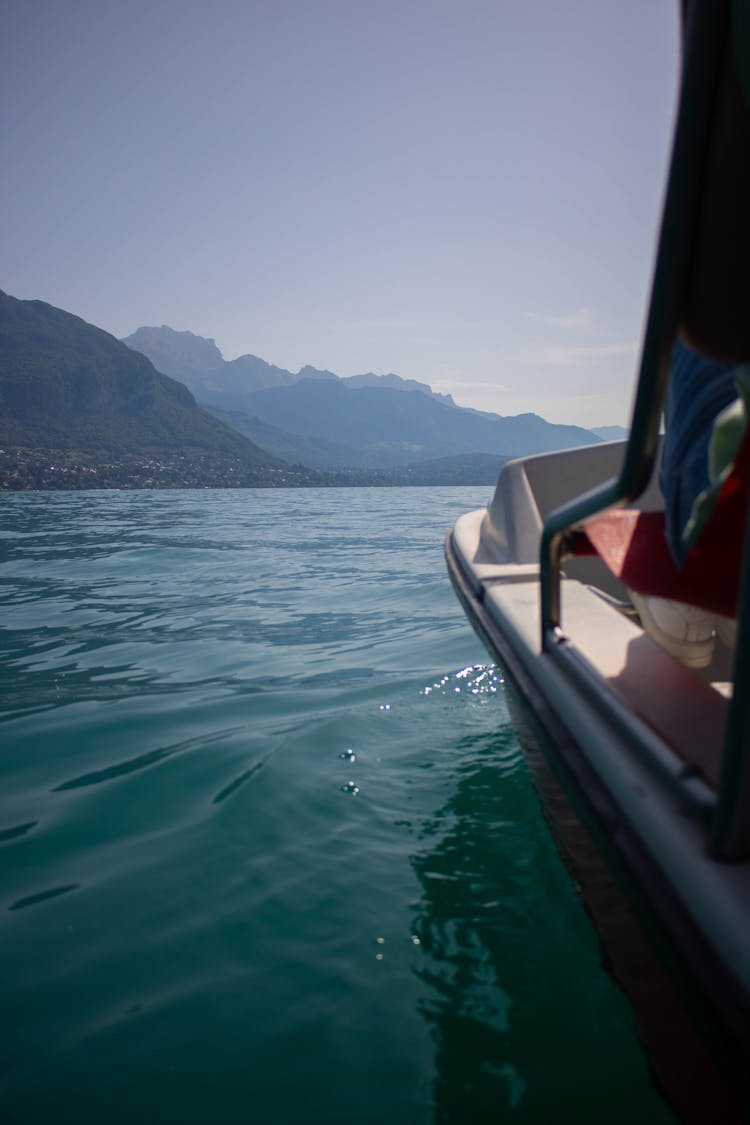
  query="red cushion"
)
[{"x": 634, "y": 547}]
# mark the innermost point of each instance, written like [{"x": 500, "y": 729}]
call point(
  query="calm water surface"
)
[{"x": 268, "y": 849}]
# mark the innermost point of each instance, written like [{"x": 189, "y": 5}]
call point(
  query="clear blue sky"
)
[{"x": 462, "y": 191}]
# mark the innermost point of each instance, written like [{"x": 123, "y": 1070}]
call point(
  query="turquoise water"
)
[{"x": 269, "y": 851}]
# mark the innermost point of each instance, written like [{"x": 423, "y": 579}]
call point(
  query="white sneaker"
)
[{"x": 683, "y": 630}]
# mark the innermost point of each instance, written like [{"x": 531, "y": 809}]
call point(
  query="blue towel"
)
[{"x": 699, "y": 389}]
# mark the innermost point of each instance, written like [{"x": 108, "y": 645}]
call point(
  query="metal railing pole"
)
[{"x": 704, "y": 34}]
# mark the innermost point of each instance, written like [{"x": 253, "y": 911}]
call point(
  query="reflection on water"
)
[{"x": 506, "y": 977}]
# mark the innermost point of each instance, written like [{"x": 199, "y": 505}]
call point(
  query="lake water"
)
[{"x": 269, "y": 851}]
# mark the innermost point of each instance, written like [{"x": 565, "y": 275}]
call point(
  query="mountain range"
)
[
  {"x": 80, "y": 408},
  {"x": 320, "y": 419},
  {"x": 197, "y": 361},
  {"x": 611, "y": 433},
  {"x": 73, "y": 394}
]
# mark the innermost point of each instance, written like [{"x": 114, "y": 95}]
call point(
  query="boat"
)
[{"x": 642, "y": 763}]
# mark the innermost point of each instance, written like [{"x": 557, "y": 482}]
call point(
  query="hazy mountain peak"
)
[
  {"x": 175, "y": 353},
  {"x": 308, "y": 372},
  {"x": 198, "y": 361},
  {"x": 370, "y": 379},
  {"x": 611, "y": 433}
]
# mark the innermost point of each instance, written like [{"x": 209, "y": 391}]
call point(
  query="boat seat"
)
[{"x": 633, "y": 546}]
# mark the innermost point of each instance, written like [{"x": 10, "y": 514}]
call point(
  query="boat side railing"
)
[{"x": 705, "y": 33}]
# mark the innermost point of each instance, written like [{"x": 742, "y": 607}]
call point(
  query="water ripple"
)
[
  {"x": 17, "y": 830},
  {"x": 141, "y": 762},
  {"x": 121, "y": 769},
  {"x": 43, "y": 896},
  {"x": 235, "y": 785}
]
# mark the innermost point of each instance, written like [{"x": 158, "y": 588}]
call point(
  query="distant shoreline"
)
[{"x": 23, "y": 470}]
